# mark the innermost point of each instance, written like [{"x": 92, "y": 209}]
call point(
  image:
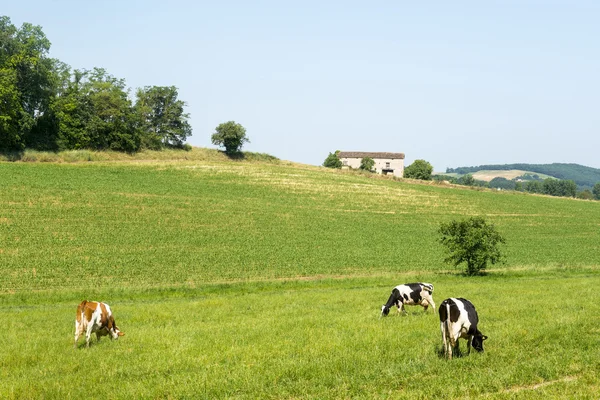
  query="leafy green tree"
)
[
  {"x": 596, "y": 191},
  {"x": 585, "y": 195},
  {"x": 25, "y": 81},
  {"x": 466, "y": 180},
  {"x": 95, "y": 112},
  {"x": 502, "y": 183},
  {"x": 160, "y": 117},
  {"x": 367, "y": 164},
  {"x": 556, "y": 187},
  {"x": 519, "y": 186},
  {"x": 333, "y": 161},
  {"x": 472, "y": 241},
  {"x": 534, "y": 187},
  {"x": 419, "y": 169},
  {"x": 230, "y": 135}
]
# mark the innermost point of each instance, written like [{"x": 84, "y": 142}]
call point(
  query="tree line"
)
[
  {"x": 46, "y": 105},
  {"x": 584, "y": 177}
]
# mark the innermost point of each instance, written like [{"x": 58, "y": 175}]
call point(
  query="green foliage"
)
[
  {"x": 472, "y": 241},
  {"x": 596, "y": 191},
  {"x": 583, "y": 176},
  {"x": 332, "y": 160},
  {"x": 25, "y": 81},
  {"x": 585, "y": 195},
  {"x": 45, "y": 106},
  {"x": 466, "y": 180},
  {"x": 554, "y": 187},
  {"x": 534, "y": 187},
  {"x": 419, "y": 169},
  {"x": 502, "y": 183},
  {"x": 230, "y": 135},
  {"x": 161, "y": 118},
  {"x": 367, "y": 164}
]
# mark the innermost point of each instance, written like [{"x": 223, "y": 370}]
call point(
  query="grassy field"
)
[{"x": 265, "y": 280}]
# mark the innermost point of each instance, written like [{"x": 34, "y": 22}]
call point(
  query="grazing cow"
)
[
  {"x": 458, "y": 319},
  {"x": 410, "y": 294},
  {"x": 93, "y": 316}
]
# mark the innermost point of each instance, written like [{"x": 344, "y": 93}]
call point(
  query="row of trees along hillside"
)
[
  {"x": 584, "y": 177},
  {"x": 44, "y": 105}
]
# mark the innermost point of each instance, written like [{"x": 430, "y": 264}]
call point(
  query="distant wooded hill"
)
[{"x": 584, "y": 177}]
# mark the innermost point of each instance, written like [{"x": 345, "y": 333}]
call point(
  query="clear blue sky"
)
[{"x": 454, "y": 83}]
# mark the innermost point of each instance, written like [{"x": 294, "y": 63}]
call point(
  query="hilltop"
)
[{"x": 584, "y": 177}]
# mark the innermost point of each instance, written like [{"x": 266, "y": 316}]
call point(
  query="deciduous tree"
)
[
  {"x": 419, "y": 169},
  {"x": 472, "y": 241},
  {"x": 333, "y": 161},
  {"x": 367, "y": 164},
  {"x": 160, "y": 117},
  {"x": 230, "y": 135}
]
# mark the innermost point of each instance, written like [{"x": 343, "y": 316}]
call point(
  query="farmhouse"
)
[{"x": 385, "y": 163}]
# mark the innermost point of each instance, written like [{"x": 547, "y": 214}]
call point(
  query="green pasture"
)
[{"x": 265, "y": 280}]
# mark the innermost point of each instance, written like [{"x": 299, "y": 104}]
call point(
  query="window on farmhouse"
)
[
  {"x": 345, "y": 162},
  {"x": 387, "y": 164}
]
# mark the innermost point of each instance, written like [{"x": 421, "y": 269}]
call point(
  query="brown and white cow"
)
[
  {"x": 410, "y": 294},
  {"x": 458, "y": 319},
  {"x": 93, "y": 316}
]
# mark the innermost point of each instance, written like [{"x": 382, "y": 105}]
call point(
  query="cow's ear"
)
[
  {"x": 484, "y": 337},
  {"x": 121, "y": 333}
]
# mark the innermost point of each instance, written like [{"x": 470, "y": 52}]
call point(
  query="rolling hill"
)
[
  {"x": 251, "y": 279},
  {"x": 584, "y": 177}
]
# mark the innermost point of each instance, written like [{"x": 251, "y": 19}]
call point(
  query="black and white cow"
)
[
  {"x": 458, "y": 319},
  {"x": 410, "y": 294}
]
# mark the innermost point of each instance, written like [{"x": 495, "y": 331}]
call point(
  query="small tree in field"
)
[
  {"x": 333, "y": 161},
  {"x": 472, "y": 241},
  {"x": 230, "y": 135},
  {"x": 367, "y": 164},
  {"x": 419, "y": 169}
]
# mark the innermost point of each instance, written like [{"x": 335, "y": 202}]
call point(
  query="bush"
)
[
  {"x": 419, "y": 169},
  {"x": 367, "y": 164},
  {"x": 333, "y": 161},
  {"x": 472, "y": 241}
]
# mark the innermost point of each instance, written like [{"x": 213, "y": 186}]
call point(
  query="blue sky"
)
[{"x": 454, "y": 83}]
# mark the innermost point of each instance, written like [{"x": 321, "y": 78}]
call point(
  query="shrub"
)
[
  {"x": 419, "y": 169},
  {"x": 472, "y": 241}
]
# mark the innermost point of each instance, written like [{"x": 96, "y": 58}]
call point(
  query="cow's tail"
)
[{"x": 80, "y": 309}]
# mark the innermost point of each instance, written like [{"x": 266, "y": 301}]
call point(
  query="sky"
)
[{"x": 453, "y": 83}]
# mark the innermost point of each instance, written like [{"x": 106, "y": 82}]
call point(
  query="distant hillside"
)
[{"x": 584, "y": 177}]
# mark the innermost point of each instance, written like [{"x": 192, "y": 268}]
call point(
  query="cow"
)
[
  {"x": 93, "y": 316},
  {"x": 410, "y": 294},
  {"x": 458, "y": 319}
]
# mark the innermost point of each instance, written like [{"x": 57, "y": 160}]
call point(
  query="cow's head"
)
[
  {"x": 385, "y": 310},
  {"x": 113, "y": 330},
  {"x": 478, "y": 341}
]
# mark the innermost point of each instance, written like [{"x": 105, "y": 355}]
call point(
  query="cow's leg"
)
[
  {"x": 88, "y": 334},
  {"x": 469, "y": 340},
  {"x": 403, "y": 309},
  {"x": 444, "y": 338},
  {"x": 78, "y": 332},
  {"x": 432, "y": 303},
  {"x": 98, "y": 336}
]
